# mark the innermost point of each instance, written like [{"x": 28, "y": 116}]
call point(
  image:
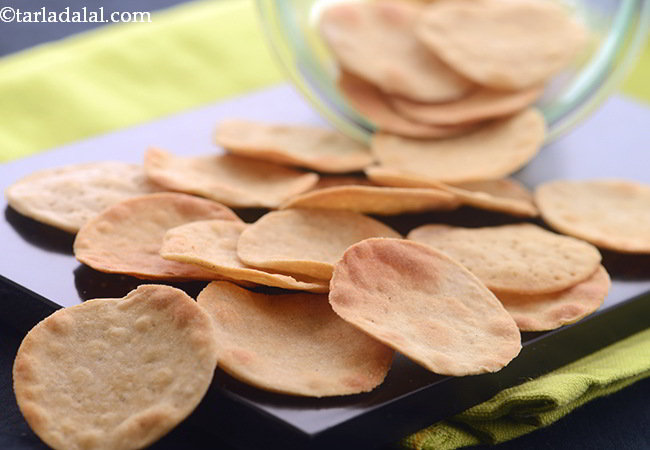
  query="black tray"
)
[{"x": 39, "y": 274}]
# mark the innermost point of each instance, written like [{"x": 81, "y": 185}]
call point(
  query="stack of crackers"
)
[{"x": 315, "y": 296}]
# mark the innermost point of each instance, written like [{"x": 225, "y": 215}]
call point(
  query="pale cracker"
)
[
  {"x": 521, "y": 258},
  {"x": 550, "y": 311},
  {"x": 294, "y": 145},
  {"x": 306, "y": 241},
  {"x": 126, "y": 237},
  {"x": 232, "y": 180},
  {"x": 425, "y": 305},
  {"x": 502, "y": 44},
  {"x": 212, "y": 245},
  {"x": 292, "y": 343},
  {"x": 374, "y": 200},
  {"x": 612, "y": 214},
  {"x": 69, "y": 196},
  {"x": 341, "y": 180},
  {"x": 490, "y": 152},
  {"x": 115, "y": 373},
  {"x": 481, "y": 104},
  {"x": 375, "y": 41},
  {"x": 505, "y": 195},
  {"x": 374, "y": 105}
]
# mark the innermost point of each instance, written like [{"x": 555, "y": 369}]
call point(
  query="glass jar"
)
[{"x": 618, "y": 30}]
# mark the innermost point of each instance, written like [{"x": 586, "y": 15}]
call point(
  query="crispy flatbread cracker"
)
[
  {"x": 67, "y": 197},
  {"x": 306, "y": 241},
  {"x": 550, "y": 311},
  {"x": 520, "y": 259},
  {"x": 490, "y": 152},
  {"x": 292, "y": 343},
  {"x": 612, "y": 214},
  {"x": 375, "y": 41},
  {"x": 374, "y": 200},
  {"x": 104, "y": 375},
  {"x": 294, "y": 145},
  {"x": 424, "y": 304},
  {"x": 481, "y": 104},
  {"x": 374, "y": 105},
  {"x": 126, "y": 238},
  {"x": 232, "y": 180},
  {"x": 502, "y": 44},
  {"x": 212, "y": 245},
  {"x": 505, "y": 195},
  {"x": 341, "y": 180}
]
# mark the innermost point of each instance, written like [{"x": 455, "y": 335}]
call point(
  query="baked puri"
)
[
  {"x": 212, "y": 245},
  {"x": 550, "y": 311},
  {"x": 612, "y": 214},
  {"x": 231, "y": 180},
  {"x": 481, "y": 104},
  {"x": 126, "y": 238},
  {"x": 67, "y": 197},
  {"x": 102, "y": 374},
  {"x": 292, "y": 343},
  {"x": 375, "y": 41},
  {"x": 306, "y": 241},
  {"x": 491, "y": 152},
  {"x": 375, "y": 106},
  {"x": 502, "y": 44},
  {"x": 505, "y": 195},
  {"x": 374, "y": 200},
  {"x": 519, "y": 259},
  {"x": 425, "y": 305},
  {"x": 303, "y": 146}
]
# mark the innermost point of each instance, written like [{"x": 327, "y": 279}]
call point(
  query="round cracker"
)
[
  {"x": 612, "y": 214},
  {"x": 306, "y": 241},
  {"x": 425, "y": 305},
  {"x": 115, "y": 373},
  {"x": 303, "y": 146},
  {"x": 521, "y": 258},
  {"x": 505, "y": 195},
  {"x": 374, "y": 200},
  {"x": 481, "y": 104},
  {"x": 375, "y": 41},
  {"x": 550, "y": 311},
  {"x": 374, "y": 105},
  {"x": 502, "y": 44},
  {"x": 126, "y": 238},
  {"x": 341, "y": 180},
  {"x": 292, "y": 343},
  {"x": 212, "y": 245},
  {"x": 491, "y": 152},
  {"x": 67, "y": 197},
  {"x": 232, "y": 180}
]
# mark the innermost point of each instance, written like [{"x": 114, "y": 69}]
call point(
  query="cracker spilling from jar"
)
[{"x": 432, "y": 70}]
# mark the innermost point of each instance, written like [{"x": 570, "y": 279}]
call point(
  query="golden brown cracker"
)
[
  {"x": 425, "y": 305},
  {"x": 292, "y": 343}
]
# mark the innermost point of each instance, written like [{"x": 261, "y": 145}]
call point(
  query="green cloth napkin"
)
[
  {"x": 198, "y": 53},
  {"x": 542, "y": 401}
]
